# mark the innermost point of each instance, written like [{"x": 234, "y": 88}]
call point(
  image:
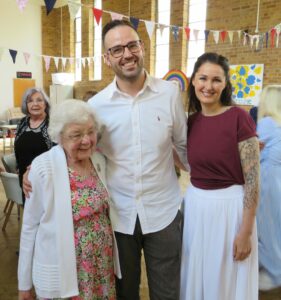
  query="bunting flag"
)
[
  {"x": 161, "y": 27},
  {"x": 272, "y": 36},
  {"x": 115, "y": 16},
  {"x": 97, "y": 13},
  {"x": 187, "y": 32},
  {"x": 216, "y": 35},
  {"x": 71, "y": 60},
  {"x": 26, "y": 57},
  {"x": 47, "y": 60},
  {"x": 56, "y": 60},
  {"x": 22, "y": 4},
  {"x": 245, "y": 40},
  {"x": 73, "y": 6},
  {"x": 175, "y": 31},
  {"x": 63, "y": 60},
  {"x": 13, "y": 54},
  {"x": 266, "y": 39},
  {"x": 149, "y": 28},
  {"x": 49, "y": 5},
  {"x": 223, "y": 35},
  {"x": 206, "y": 32},
  {"x": 83, "y": 60},
  {"x": 135, "y": 22},
  {"x": 1, "y": 53},
  {"x": 195, "y": 34},
  {"x": 230, "y": 35},
  {"x": 239, "y": 34},
  {"x": 89, "y": 60}
]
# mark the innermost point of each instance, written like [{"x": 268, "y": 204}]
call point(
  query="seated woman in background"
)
[
  {"x": 32, "y": 137},
  {"x": 269, "y": 210},
  {"x": 67, "y": 240}
]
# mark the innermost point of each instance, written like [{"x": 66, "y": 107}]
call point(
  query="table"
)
[{"x": 11, "y": 129}]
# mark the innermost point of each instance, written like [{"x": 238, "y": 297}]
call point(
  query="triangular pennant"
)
[
  {"x": 115, "y": 16},
  {"x": 149, "y": 27},
  {"x": 73, "y": 6},
  {"x": 97, "y": 13},
  {"x": 223, "y": 35},
  {"x": 56, "y": 59},
  {"x": 187, "y": 32},
  {"x": 26, "y": 57},
  {"x": 266, "y": 39},
  {"x": 257, "y": 41},
  {"x": 1, "y": 53},
  {"x": 216, "y": 35},
  {"x": 230, "y": 35},
  {"x": 135, "y": 22},
  {"x": 78, "y": 63},
  {"x": 175, "y": 31},
  {"x": 63, "y": 60},
  {"x": 22, "y": 4},
  {"x": 195, "y": 34},
  {"x": 47, "y": 60},
  {"x": 206, "y": 32},
  {"x": 245, "y": 39},
  {"x": 239, "y": 34},
  {"x": 272, "y": 36},
  {"x": 49, "y": 5},
  {"x": 13, "y": 54},
  {"x": 161, "y": 27},
  {"x": 83, "y": 59},
  {"x": 252, "y": 39},
  {"x": 71, "y": 60},
  {"x": 89, "y": 60}
]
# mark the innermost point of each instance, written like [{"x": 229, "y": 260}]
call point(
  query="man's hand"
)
[
  {"x": 26, "y": 295},
  {"x": 26, "y": 184}
]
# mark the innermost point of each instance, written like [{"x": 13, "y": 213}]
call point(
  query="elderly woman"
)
[
  {"x": 32, "y": 137},
  {"x": 66, "y": 247}
]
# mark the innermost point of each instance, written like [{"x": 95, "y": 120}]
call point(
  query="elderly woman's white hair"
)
[
  {"x": 69, "y": 112},
  {"x": 28, "y": 94}
]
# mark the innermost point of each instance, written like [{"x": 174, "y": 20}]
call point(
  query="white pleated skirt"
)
[{"x": 212, "y": 219}]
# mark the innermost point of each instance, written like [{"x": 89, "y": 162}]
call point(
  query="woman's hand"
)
[
  {"x": 26, "y": 185},
  {"x": 26, "y": 295},
  {"x": 241, "y": 246}
]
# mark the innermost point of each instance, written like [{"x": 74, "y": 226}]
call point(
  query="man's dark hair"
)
[{"x": 112, "y": 24}]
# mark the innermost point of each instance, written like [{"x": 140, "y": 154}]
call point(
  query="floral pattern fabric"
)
[{"x": 93, "y": 238}]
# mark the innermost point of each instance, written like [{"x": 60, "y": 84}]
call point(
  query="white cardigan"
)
[{"x": 47, "y": 252}]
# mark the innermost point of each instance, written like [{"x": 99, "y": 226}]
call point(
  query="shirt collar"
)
[{"x": 148, "y": 83}]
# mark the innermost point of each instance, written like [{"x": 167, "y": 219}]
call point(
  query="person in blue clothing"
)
[{"x": 269, "y": 210}]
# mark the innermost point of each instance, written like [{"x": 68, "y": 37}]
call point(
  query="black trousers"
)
[{"x": 162, "y": 253}]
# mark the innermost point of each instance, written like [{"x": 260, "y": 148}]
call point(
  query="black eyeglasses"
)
[{"x": 118, "y": 51}]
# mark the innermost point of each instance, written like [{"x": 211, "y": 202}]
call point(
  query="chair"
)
[
  {"x": 13, "y": 193},
  {"x": 10, "y": 164}
]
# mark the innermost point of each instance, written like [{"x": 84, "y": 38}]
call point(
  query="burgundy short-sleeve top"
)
[{"x": 212, "y": 147}]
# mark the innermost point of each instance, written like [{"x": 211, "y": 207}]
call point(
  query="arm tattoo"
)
[{"x": 249, "y": 157}]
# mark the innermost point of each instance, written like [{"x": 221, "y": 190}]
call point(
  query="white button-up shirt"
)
[{"x": 138, "y": 141}]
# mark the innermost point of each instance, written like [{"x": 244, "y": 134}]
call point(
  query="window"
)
[
  {"x": 197, "y": 20},
  {"x": 78, "y": 46},
  {"x": 97, "y": 45},
  {"x": 162, "y": 40}
]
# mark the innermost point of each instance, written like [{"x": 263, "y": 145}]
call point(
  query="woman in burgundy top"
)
[{"x": 219, "y": 257}]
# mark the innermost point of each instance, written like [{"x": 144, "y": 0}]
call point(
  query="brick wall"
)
[{"x": 221, "y": 15}]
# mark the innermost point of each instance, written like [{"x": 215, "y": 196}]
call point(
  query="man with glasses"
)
[{"x": 144, "y": 121}]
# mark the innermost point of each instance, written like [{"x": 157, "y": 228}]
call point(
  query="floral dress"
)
[{"x": 93, "y": 238}]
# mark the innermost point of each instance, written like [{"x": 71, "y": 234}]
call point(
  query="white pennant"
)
[
  {"x": 89, "y": 60},
  {"x": 71, "y": 60},
  {"x": 56, "y": 59},
  {"x": 230, "y": 35},
  {"x": 78, "y": 62},
  {"x": 63, "y": 59},
  {"x": 47, "y": 60},
  {"x": 161, "y": 28},
  {"x": 245, "y": 39},
  {"x": 216, "y": 35},
  {"x": 257, "y": 41},
  {"x": 252, "y": 39},
  {"x": 149, "y": 27},
  {"x": 239, "y": 34},
  {"x": 115, "y": 16},
  {"x": 195, "y": 34},
  {"x": 73, "y": 6},
  {"x": 26, "y": 57},
  {"x": 83, "y": 59}
]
